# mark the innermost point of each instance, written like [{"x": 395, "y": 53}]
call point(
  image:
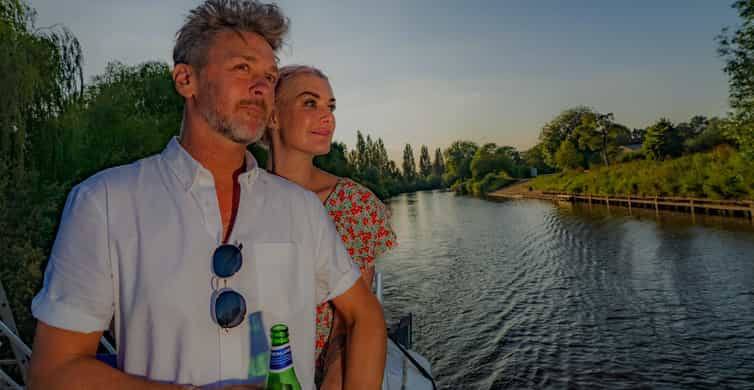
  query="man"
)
[{"x": 180, "y": 247}]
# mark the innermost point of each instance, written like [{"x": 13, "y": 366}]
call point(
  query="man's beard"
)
[{"x": 234, "y": 130}]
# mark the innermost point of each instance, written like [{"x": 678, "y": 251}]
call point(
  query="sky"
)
[{"x": 436, "y": 71}]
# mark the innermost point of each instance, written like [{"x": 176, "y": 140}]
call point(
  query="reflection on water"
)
[{"x": 525, "y": 294}]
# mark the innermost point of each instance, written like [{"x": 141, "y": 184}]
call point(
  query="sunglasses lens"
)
[
  {"x": 226, "y": 260},
  {"x": 230, "y": 309}
]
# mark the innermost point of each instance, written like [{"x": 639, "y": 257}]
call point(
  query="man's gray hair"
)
[{"x": 194, "y": 39}]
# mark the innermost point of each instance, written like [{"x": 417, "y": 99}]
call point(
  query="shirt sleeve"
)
[
  {"x": 77, "y": 293},
  {"x": 335, "y": 271}
]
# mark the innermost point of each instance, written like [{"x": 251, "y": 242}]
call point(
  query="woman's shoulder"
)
[{"x": 356, "y": 192}]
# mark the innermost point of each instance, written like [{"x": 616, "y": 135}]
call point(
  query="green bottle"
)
[{"x": 281, "y": 375}]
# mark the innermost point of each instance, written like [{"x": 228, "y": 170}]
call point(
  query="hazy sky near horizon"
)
[{"x": 435, "y": 71}]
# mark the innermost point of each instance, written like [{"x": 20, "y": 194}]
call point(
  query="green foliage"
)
[
  {"x": 377, "y": 172},
  {"x": 458, "y": 158},
  {"x": 707, "y": 137},
  {"x": 662, "y": 140},
  {"x": 438, "y": 166},
  {"x": 490, "y": 182},
  {"x": 409, "y": 164},
  {"x": 720, "y": 174},
  {"x": 535, "y": 158},
  {"x": 41, "y": 75},
  {"x": 631, "y": 156},
  {"x": 335, "y": 161},
  {"x": 425, "y": 165},
  {"x": 741, "y": 132},
  {"x": 490, "y": 159},
  {"x": 559, "y": 129},
  {"x": 489, "y": 168},
  {"x": 737, "y": 49},
  {"x": 127, "y": 113},
  {"x": 568, "y": 157}
]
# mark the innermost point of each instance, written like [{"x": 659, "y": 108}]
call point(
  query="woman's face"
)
[{"x": 304, "y": 115}]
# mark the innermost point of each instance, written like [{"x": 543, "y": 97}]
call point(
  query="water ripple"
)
[{"x": 526, "y": 295}]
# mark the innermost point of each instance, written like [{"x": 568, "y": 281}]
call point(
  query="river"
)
[{"x": 526, "y": 294}]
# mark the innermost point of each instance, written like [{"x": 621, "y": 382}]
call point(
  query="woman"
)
[{"x": 301, "y": 128}]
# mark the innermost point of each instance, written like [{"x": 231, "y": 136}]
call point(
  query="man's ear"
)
[{"x": 185, "y": 80}]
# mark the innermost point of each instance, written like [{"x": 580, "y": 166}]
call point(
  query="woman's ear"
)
[
  {"x": 185, "y": 80},
  {"x": 274, "y": 123}
]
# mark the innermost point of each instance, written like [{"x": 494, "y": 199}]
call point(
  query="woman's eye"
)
[
  {"x": 243, "y": 67},
  {"x": 332, "y": 108},
  {"x": 271, "y": 78}
]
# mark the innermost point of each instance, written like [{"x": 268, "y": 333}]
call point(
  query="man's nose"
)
[{"x": 261, "y": 86}]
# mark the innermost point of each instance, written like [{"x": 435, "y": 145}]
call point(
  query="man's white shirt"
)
[{"x": 135, "y": 245}]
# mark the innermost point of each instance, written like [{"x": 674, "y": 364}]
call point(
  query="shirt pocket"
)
[{"x": 278, "y": 278}]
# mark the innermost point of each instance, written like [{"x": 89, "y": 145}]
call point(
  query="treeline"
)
[
  {"x": 580, "y": 138},
  {"x": 368, "y": 163},
  {"x": 465, "y": 167},
  {"x": 471, "y": 169}
]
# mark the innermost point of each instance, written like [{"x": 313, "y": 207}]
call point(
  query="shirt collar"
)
[{"x": 187, "y": 169}]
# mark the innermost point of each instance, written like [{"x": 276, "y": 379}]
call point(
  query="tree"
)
[
  {"x": 662, "y": 140},
  {"x": 711, "y": 136},
  {"x": 568, "y": 157},
  {"x": 737, "y": 49},
  {"x": 335, "y": 161},
  {"x": 458, "y": 158},
  {"x": 360, "y": 152},
  {"x": 409, "y": 164},
  {"x": 535, "y": 158},
  {"x": 438, "y": 166},
  {"x": 598, "y": 133},
  {"x": 559, "y": 129},
  {"x": 491, "y": 159},
  {"x": 40, "y": 74},
  {"x": 382, "y": 158},
  {"x": 425, "y": 165}
]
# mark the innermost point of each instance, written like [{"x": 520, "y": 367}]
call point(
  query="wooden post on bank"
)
[
  {"x": 657, "y": 208},
  {"x": 607, "y": 202},
  {"x": 629, "y": 205},
  {"x": 693, "y": 215}
]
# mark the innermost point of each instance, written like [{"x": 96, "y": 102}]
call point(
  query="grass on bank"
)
[{"x": 720, "y": 174}]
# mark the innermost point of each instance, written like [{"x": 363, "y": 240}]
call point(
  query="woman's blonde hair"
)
[{"x": 286, "y": 74}]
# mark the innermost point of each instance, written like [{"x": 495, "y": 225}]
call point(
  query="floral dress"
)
[{"x": 362, "y": 222}]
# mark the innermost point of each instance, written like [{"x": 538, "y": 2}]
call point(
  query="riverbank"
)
[
  {"x": 524, "y": 189},
  {"x": 722, "y": 174}
]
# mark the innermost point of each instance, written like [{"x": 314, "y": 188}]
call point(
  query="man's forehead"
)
[{"x": 243, "y": 44}]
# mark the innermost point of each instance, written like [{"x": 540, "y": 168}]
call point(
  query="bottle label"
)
[{"x": 281, "y": 358}]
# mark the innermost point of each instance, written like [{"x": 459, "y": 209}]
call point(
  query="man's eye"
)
[{"x": 310, "y": 103}]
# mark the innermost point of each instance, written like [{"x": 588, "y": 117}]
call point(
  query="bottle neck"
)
[{"x": 281, "y": 358}]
